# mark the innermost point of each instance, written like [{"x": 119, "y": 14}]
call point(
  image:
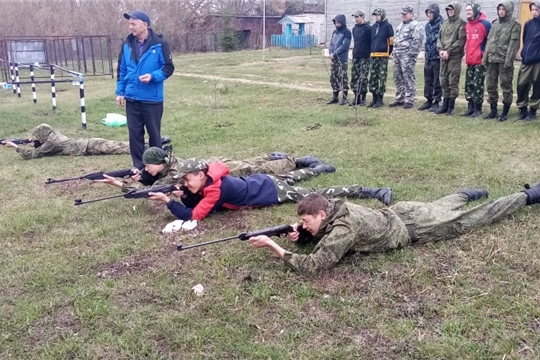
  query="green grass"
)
[{"x": 102, "y": 281}]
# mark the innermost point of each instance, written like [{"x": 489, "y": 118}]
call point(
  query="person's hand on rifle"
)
[
  {"x": 293, "y": 236},
  {"x": 265, "y": 241},
  {"x": 10, "y": 144},
  {"x": 136, "y": 175},
  {"x": 110, "y": 181},
  {"x": 159, "y": 197}
]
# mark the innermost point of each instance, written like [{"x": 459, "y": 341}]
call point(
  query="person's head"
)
[
  {"x": 194, "y": 173},
  {"x": 450, "y": 11},
  {"x": 433, "y": 11},
  {"x": 139, "y": 22},
  {"x": 359, "y": 17},
  {"x": 535, "y": 9},
  {"x": 407, "y": 13},
  {"x": 379, "y": 14},
  {"x": 472, "y": 10},
  {"x": 154, "y": 160},
  {"x": 312, "y": 211},
  {"x": 40, "y": 134},
  {"x": 501, "y": 11}
]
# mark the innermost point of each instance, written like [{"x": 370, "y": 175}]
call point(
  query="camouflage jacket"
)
[
  {"x": 350, "y": 226},
  {"x": 452, "y": 36},
  {"x": 408, "y": 39},
  {"x": 503, "y": 39},
  {"x": 168, "y": 176}
]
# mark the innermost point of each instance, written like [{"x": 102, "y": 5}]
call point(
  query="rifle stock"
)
[
  {"x": 135, "y": 194},
  {"x": 95, "y": 176},
  {"x": 272, "y": 231}
]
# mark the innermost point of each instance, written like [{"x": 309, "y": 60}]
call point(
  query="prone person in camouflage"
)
[
  {"x": 209, "y": 187},
  {"x": 49, "y": 142},
  {"x": 338, "y": 226},
  {"x": 451, "y": 46},
  {"x": 162, "y": 168},
  {"x": 501, "y": 49},
  {"x": 407, "y": 43}
]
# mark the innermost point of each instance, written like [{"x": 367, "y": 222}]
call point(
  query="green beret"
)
[
  {"x": 154, "y": 156},
  {"x": 192, "y": 165}
]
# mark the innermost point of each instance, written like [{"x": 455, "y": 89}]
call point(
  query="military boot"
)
[
  {"x": 523, "y": 113},
  {"x": 451, "y": 107},
  {"x": 493, "y": 113},
  {"x": 504, "y": 114},
  {"x": 477, "y": 110},
  {"x": 323, "y": 168},
  {"x": 470, "y": 109},
  {"x": 362, "y": 99},
  {"x": 396, "y": 103},
  {"x": 344, "y": 100},
  {"x": 165, "y": 140},
  {"x": 384, "y": 195},
  {"x": 426, "y": 106},
  {"x": 475, "y": 194},
  {"x": 277, "y": 155},
  {"x": 167, "y": 148},
  {"x": 435, "y": 107},
  {"x": 355, "y": 101},
  {"x": 444, "y": 108},
  {"x": 532, "y": 114},
  {"x": 334, "y": 99},
  {"x": 379, "y": 102},
  {"x": 533, "y": 194},
  {"x": 307, "y": 161}
]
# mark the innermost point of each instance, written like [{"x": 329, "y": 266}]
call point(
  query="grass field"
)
[{"x": 101, "y": 281}]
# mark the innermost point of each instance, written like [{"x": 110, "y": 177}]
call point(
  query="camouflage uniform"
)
[
  {"x": 339, "y": 78},
  {"x": 350, "y": 226},
  {"x": 382, "y": 45},
  {"x": 407, "y": 43},
  {"x": 501, "y": 49},
  {"x": 474, "y": 83},
  {"x": 359, "y": 75},
  {"x": 55, "y": 143},
  {"x": 378, "y": 73}
]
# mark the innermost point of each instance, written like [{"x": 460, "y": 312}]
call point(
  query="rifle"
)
[
  {"x": 134, "y": 194},
  {"x": 16, "y": 141},
  {"x": 273, "y": 231},
  {"x": 95, "y": 176}
]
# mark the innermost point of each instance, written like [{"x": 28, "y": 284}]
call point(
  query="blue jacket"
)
[
  {"x": 155, "y": 60},
  {"x": 223, "y": 191},
  {"x": 530, "y": 54},
  {"x": 432, "y": 33},
  {"x": 341, "y": 40}
]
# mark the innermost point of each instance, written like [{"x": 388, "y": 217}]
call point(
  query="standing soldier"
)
[
  {"x": 432, "y": 65},
  {"x": 339, "y": 53},
  {"x": 407, "y": 45},
  {"x": 477, "y": 30},
  {"x": 529, "y": 72},
  {"x": 382, "y": 43},
  {"x": 502, "y": 46},
  {"x": 362, "y": 48},
  {"x": 451, "y": 45}
]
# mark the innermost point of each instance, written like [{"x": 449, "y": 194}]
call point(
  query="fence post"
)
[
  {"x": 83, "y": 107},
  {"x": 12, "y": 72},
  {"x": 17, "y": 80},
  {"x": 32, "y": 79},
  {"x": 53, "y": 88}
]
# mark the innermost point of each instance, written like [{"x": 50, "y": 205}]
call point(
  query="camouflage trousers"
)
[
  {"x": 529, "y": 75},
  {"x": 339, "y": 79},
  {"x": 493, "y": 72},
  {"x": 257, "y": 165},
  {"x": 359, "y": 75},
  {"x": 106, "y": 147},
  {"x": 441, "y": 219},
  {"x": 404, "y": 66},
  {"x": 449, "y": 78},
  {"x": 474, "y": 83},
  {"x": 377, "y": 75},
  {"x": 289, "y": 193}
]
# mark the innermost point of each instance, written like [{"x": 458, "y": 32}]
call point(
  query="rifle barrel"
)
[
  {"x": 180, "y": 247},
  {"x": 54, "y": 181},
  {"x": 81, "y": 202}
]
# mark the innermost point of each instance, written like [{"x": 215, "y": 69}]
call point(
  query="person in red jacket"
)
[{"x": 477, "y": 30}]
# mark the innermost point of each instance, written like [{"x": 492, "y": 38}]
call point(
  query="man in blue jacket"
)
[
  {"x": 144, "y": 63},
  {"x": 529, "y": 72},
  {"x": 339, "y": 54}
]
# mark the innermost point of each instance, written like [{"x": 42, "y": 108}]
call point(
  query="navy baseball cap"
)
[{"x": 138, "y": 15}]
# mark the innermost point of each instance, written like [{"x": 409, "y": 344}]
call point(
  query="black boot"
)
[
  {"x": 532, "y": 114},
  {"x": 323, "y": 168},
  {"x": 362, "y": 99},
  {"x": 523, "y": 113},
  {"x": 334, "y": 99},
  {"x": 493, "y": 113},
  {"x": 475, "y": 194},
  {"x": 470, "y": 109},
  {"x": 384, "y": 195},
  {"x": 451, "y": 107},
  {"x": 379, "y": 102},
  {"x": 434, "y": 108},
  {"x": 355, "y": 101},
  {"x": 396, "y": 103},
  {"x": 426, "y": 106},
  {"x": 444, "y": 108},
  {"x": 373, "y": 101},
  {"x": 533, "y": 194},
  {"x": 477, "y": 110},
  {"x": 307, "y": 161},
  {"x": 504, "y": 115},
  {"x": 165, "y": 140},
  {"x": 167, "y": 148},
  {"x": 344, "y": 100},
  {"x": 277, "y": 155}
]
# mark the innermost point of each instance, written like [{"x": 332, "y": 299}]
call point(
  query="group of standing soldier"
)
[{"x": 490, "y": 49}]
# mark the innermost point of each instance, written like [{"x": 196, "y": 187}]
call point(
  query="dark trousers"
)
[
  {"x": 528, "y": 76},
  {"x": 432, "y": 84},
  {"x": 140, "y": 115}
]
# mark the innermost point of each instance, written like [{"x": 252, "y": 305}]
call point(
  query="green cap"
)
[
  {"x": 192, "y": 165},
  {"x": 154, "y": 156}
]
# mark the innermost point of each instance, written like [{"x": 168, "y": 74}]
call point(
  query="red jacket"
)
[{"x": 477, "y": 33}]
